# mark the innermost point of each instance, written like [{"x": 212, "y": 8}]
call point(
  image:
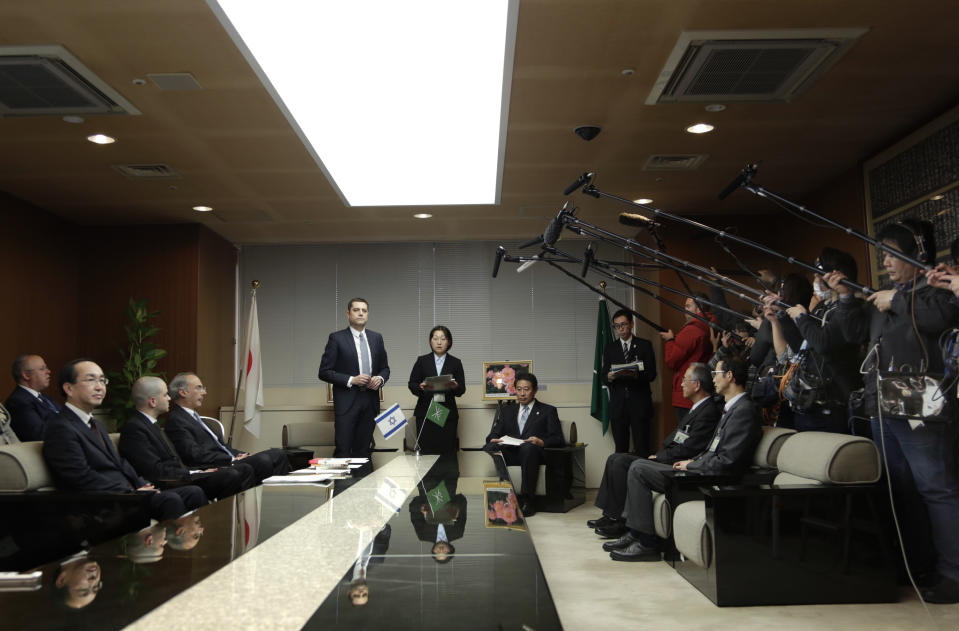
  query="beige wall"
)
[{"x": 295, "y": 405}]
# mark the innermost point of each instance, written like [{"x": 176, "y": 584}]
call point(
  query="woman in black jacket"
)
[{"x": 434, "y": 439}]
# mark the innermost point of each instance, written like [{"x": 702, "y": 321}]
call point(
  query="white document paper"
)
[
  {"x": 509, "y": 440},
  {"x": 637, "y": 366}
]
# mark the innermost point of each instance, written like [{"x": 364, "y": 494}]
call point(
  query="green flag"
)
[
  {"x": 599, "y": 404},
  {"x": 438, "y": 497},
  {"x": 437, "y": 413}
]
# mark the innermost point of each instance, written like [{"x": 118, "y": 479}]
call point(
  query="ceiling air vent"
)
[
  {"x": 49, "y": 81},
  {"x": 146, "y": 171},
  {"x": 174, "y": 81},
  {"x": 675, "y": 162},
  {"x": 718, "y": 66}
]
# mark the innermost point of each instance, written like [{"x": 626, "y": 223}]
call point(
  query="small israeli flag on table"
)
[{"x": 391, "y": 421}]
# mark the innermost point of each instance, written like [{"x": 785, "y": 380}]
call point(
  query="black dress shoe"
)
[
  {"x": 602, "y": 522},
  {"x": 527, "y": 509},
  {"x": 636, "y": 552},
  {"x": 613, "y": 531},
  {"x": 620, "y": 544},
  {"x": 946, "y": 592}
]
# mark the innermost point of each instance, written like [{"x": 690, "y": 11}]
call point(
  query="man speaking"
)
[{"x": 355, "y": 362}]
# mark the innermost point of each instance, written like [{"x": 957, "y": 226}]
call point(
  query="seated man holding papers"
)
[{"x": 521, "y": 434}]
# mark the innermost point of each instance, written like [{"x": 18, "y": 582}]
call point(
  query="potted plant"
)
[{"x": 139, "y": 360}]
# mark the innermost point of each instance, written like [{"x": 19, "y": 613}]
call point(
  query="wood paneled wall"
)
[
  {"x": 67, "y": 289},
  {"x": 39, "y": 288}
]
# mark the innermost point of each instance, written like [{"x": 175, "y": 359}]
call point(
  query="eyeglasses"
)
[
  {"x": 621, "y": 325},
  {"x": 92, "y": 380}
]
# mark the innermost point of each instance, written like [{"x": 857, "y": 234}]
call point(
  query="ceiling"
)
[{"x": 236, "y": 152}]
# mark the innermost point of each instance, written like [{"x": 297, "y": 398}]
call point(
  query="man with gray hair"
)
[
  {"x": 201, "y": 446},
  {"x": 147, "y": 448},
  {"x": 688, "y": 440},
  {"x": 29, "y": 408}
]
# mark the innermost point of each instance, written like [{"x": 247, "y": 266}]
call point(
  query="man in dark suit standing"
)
[
  {"x": 537, "y": 424},
  {"x": 29, "y": 408},
  {"x": 151, "y": 453},
  {"x": 729, "y": 452},
  {"x": 355, "y": 362},
  {"x": 630, "y": 398},
  {"x": 688, "y": 440},
  {"x": 81, "y": 456},
  {"x": 201, "y": 447}
]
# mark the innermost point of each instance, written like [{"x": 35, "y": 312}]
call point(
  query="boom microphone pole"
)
[
  {"x": 703, "y": 275},
  {"x": 782, "y": 201},
  {"x": 602, "y": 293},
  {"x": 592, "y": 191},
  {"x": 612, "y": 276}
]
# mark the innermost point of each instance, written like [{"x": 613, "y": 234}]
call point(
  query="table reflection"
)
[{"x": 77, "y": 581}]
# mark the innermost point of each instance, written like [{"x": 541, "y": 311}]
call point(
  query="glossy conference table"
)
[{"x": 292, "y": 557}]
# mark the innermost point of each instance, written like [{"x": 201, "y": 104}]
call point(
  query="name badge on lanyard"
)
[
  {"x": 680, "y": 437},
  {"x": 715, "y": 443}
]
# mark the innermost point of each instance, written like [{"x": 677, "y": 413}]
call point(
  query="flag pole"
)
[{"x": 239, "y": 378}]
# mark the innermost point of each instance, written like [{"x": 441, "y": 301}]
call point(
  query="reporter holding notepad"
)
[{"x": 434, "y": 439}]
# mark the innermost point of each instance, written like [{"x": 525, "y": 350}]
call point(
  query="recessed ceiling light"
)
[
  {"x": 715, "y": 107},
  {"x": 101, "y": 139},
  {"x": 73, "y": 119},
  {"x": 643, "y": 200},
  {"x": 936, "y": 198},
  {"x": 700, "y": 128},
  {"x": 422, "y": 215},
  {"x": 203, "y": 209}
]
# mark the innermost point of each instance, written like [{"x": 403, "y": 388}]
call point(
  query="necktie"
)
[
  {"x": 522, "y": 419},
  {"x": 210, "y": 431},
  {"x": 47, "y": 403},
  {"x": 93, "y": 427},
  {"x": 625, "y": 350},
  {"x": 364, "y": 356}
]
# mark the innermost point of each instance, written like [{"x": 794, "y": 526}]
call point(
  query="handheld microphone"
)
[
  {"x": 582, "y": 180},
  {"x": 637, "y": 220},
  {"x": 500, "y": 253},
  {"x": 744, "y": 176},
  {"x": 587, "y": 259}
]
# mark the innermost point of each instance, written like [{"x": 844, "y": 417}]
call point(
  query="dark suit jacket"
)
[
  {"x": 29, "y": 415},
  {"x": 340, "y": 362},
  {"x": 636, "y": 387},
  {"x": 427, "y": 530},
  {"x": 699, "y": 426},
  {"x": 143, "y": 444},
  {"x": 543, "y": 422},
  {"x": 194, "y": 444},
  {"x": 425, "y": 366},
  {"x": 79, "y": 461},
  {"x": 738, "y": 432}
]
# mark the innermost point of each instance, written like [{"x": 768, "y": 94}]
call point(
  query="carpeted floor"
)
[{"x": 592, "y": 592}]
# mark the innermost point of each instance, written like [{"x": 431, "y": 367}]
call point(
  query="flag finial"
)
[
  {"x": 602, "y": 285},
  {"x": 255, "y": 284}
]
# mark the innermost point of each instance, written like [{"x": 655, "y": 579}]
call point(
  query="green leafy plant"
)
[{"x": 140, "y": 357}]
